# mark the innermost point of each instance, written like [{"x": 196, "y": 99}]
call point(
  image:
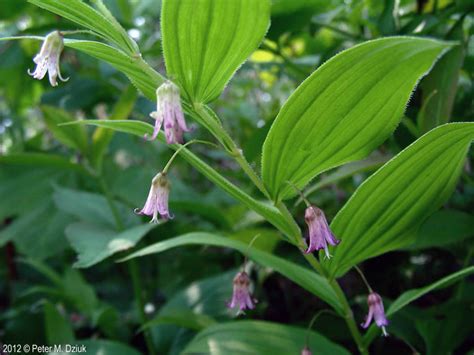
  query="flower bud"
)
[{"x": 47, "y": 60}]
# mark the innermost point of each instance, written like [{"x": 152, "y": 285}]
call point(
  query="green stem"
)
[
  {"x": 295, "y": 237},
  {"x": 348, "y": 315},
  {"x": 303, "y": 73},
  {"x": 132, "y": 267},
  {"x": 338, "y": 30},
  {"x": 110, "y": 201},
  {"x": 363, "y": 278},
  {"x": 297, "y": 240},
  {"x": 230, "y": 146},
  {"x": 313, "y": 320},
  {"x": 173, "y": 157},
  {"x": 269, "y": 212}
]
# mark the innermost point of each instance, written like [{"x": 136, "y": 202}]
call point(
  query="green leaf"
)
[
  {"x": 79, "y": 293},
  {"x": 48, "y": 160},
  {"x": 95, "y": 243},
  {"x": 139, "y": 128},
  {"x": 344, "y": 110},
  {"x": 139, "y": 73},
  {"x": 444, "y": 228},
  {"x": 444, "y": 328},
  {"x": 345, "y": 171},
  {"x": 92, "y": 208},
  {"x": 412, "y": 295},
  {"x": 23, "y": 189},
  {"x": 58, "y": 330},
  {"x": 204, "y": 297},
  {"x": 182, "y": 318},
  {"x": 86, "y": 16},
  {"x": 257, "y": 337},
  {"x": 267, "y": 239},
  {"x": 386, "y": 210},
  {"x": 44, "y": 269},
  {"x": 300, "y": 275},
  {"x": 73, "y": 136},
  {"x": 102, "y": 136},
  {"x": 439, "y": 90},
  {"x": 409, "y": 296},
  {"x": 46, "y": 239},
  {"x": 205, "y": 42}
]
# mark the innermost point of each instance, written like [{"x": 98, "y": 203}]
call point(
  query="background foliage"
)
[{"x": 59, "y": 238}]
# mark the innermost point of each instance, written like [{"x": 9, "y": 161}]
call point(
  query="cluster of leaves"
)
[{"x": 68, "y": 190}]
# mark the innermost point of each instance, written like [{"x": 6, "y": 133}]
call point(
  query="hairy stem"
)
[
  {"x": 210, "y": 121},
  {"x": 231, "y": 146},
  {"x": 295, "y": 238}
]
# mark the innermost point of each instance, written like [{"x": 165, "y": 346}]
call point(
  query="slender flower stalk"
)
[
  {"x": 157, "y": 200},
  {"x": 47, "y": 60},
  {"x": 306, "y": 350},
  {"x": 169, "y": 114},
  {"x": 376, "y": 312}
]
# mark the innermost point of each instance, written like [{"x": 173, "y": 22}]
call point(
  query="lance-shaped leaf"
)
[
  {"x": 344, "y": 110},
  {"x": 139, "y": 73},
  {"x": 94, "y": 243},
  {"x": 439, "y": 88},
  {"x": 73, "y": 136},
  {"x": 386, "y": 210},
  {"x": 409, "y": 296},
  {"x": 84, "y": 15},
  {"x": 307, "y": 279},
  {"x": 205, "y": 41},
  {"x": 257, "y": 337},
  {"x": 139, "y": 128}
]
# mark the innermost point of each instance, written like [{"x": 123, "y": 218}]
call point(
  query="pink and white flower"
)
[
  {"x": 169, "y": 114},
  {"x": 157, "y": 200}
]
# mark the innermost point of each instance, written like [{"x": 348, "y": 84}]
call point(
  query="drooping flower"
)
[
  {"x": 320, "y": 234},
  {"x": 157, "y": 200},
  {"x": 376, "y": 311},
  {"x": 169, "y": 113},
  {"x": 306, "y": 351},
  {"x": 47, "y": 60},
  {"x": 241, "y": 296}
]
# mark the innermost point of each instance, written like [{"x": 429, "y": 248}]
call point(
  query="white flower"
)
[{"x": 47, "y": 60}]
